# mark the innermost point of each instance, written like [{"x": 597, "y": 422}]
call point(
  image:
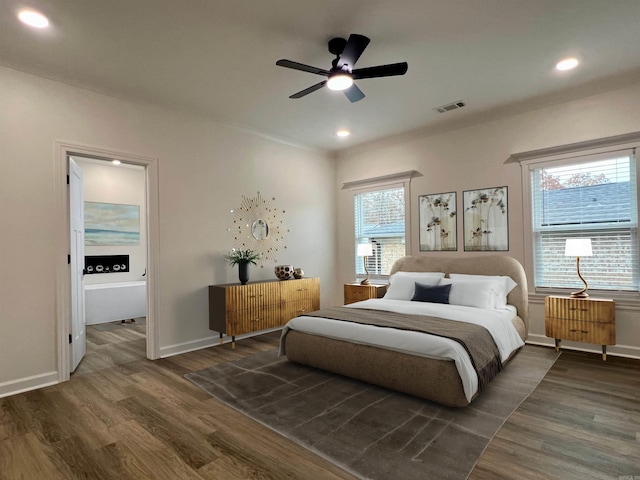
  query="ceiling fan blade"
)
[
  {"x": 354, "y": 94},
  {"x": 381, "y": 71},
  {"x": 309, "y": 90},
  {"x": 302, "y": 67},
  {"x": 352, "y": 50}
]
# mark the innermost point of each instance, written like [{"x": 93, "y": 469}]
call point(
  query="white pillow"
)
[
  {"x": 402, "y": 284},
  {"x": 472, "y": 293},
  {"x": 505, "y": 283}
]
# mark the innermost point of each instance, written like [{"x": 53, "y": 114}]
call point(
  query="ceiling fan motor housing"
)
[{"x": 336, "y": 45}]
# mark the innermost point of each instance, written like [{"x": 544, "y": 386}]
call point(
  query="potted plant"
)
[{"x": 242, "y": 258}]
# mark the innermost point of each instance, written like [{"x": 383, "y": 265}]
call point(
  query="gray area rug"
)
[{"x": 369, "y": 431}]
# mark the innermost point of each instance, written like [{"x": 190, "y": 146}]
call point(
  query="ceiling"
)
[{"x": 216, "y": 58}]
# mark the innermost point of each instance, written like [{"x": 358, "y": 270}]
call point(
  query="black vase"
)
[{"x": 243, "y": 273}]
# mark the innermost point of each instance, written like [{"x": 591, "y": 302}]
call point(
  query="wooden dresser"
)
[
  {"x": 586, "y": 320},
  {"x": 236, "y": 309},
  {"x": 355, "y": 292}
]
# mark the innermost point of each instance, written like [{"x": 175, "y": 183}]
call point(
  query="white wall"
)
[
  {"x": 121, "y": 184},
  {"x": 472, "y": 158},
  {"x": 204, "y": 169}
]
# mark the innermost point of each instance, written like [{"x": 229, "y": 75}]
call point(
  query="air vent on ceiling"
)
[{"x": 449, "y": 106}]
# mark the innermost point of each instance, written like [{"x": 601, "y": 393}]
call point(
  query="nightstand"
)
[
  {"x": 355, "y": 292},
  {"x": 586, "y": 320}
]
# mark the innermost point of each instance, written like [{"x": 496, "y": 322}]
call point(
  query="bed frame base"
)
[{"x": 428, "y": 378}]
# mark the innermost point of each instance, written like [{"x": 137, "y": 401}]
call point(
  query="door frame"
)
[{"x": 62, "y": 246}]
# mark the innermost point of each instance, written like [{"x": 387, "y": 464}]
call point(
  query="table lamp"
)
[
  {"x": 579, "y": 247},
  {"x": 364, "y": 250}
]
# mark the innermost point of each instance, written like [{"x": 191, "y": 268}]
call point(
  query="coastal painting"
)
[{"x": 111, "y": 224}]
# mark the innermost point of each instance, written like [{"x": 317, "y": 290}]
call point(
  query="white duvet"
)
[{"x": 497, "y": 322}]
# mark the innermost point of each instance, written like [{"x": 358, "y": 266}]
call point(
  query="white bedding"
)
[{"x": 497, "y": 322}]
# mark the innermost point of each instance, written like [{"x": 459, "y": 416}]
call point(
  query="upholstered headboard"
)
[{"x": 489, "y": 265}]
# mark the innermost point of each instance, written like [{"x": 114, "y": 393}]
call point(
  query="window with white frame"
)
[
  {"x": 380, "y": 220},
  {"x": 587, "y": 196}
]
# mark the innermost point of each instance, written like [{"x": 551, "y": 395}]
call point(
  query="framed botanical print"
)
[
  {"x": 486, "y": 220},
  {"x": 438, "y": 222}
]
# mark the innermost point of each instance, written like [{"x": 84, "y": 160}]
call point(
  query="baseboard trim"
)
[
  {"x": 627, "y": 351},
  {"x": 27, "y": 384},
  {"x": 179, "y": 348}
]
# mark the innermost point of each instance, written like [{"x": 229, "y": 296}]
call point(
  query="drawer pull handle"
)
[
  {"x": 577, "y": 330},
  {"x": 581, "y": 309},
  {"x": 254, "y": 296},
  {"x": 303, "y": 289},
  {"x": 256, "y": 320},
  {"x": 301, "y": 311}
]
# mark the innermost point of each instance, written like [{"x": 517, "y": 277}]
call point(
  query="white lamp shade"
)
[
  {"x": 578, "y": 247},
  {"x": 364, "y": 250}
]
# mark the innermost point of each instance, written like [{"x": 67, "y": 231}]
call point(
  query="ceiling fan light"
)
[
  {"x": 567, "y": 64},
  {"x": 340, "y": 81},
  {"x": 33, "y": 19}
]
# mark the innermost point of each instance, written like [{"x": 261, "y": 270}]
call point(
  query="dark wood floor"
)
[{"x": 123, "y": 418}]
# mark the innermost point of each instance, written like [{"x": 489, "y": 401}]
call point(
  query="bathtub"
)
[{"x": 109, "y": 302}]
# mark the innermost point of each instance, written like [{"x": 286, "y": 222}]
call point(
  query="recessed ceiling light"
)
[
  {"x": 567, "y": 64},
  {"x": 343, "y": 133},
  {"x": 33, "y": 19}
]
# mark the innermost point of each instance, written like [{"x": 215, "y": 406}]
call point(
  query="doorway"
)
[
  {"x": 114, "y": 266},
  {"x": 140, "y": 266}
]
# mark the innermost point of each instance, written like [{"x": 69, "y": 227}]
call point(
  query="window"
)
[
  {"x": 589, "y": 196},
  {"x": 380, "y": 220}
]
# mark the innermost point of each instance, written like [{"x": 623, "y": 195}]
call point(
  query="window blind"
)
[
  {"x": 586, "y": 197},
  {"x": 380, "y": 220}
]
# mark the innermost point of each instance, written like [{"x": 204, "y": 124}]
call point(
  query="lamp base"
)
[
  {"x": 365, "y": 282},
  {"x": 579, "y": 295}
]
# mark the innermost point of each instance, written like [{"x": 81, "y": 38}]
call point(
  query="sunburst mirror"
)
[{"x": 259, "y": 226}]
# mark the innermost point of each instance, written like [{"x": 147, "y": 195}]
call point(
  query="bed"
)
[{"x": 430, "y": 366}]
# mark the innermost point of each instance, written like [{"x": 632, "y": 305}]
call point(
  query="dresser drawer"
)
[
  {"x": 301, "y": 289},
  {"x": 355, "y": 292},
  {"x": 600, "y": 311},
  {"x": 253, "y": 319},
  {"x": 580, "y": 331},
  {"x": 295, "y": 309},
  {"x": 248, "y": 296}
]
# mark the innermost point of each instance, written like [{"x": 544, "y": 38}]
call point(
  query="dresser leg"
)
[
  {"x": 604, "y": 353},
  {"x": 233, "y": 342},
  {"x": 220, "y": 338},
  {"x": 558, "y": 344}
]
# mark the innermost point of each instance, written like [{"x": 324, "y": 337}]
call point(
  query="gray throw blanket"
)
[{"x": 476, "y": 340}]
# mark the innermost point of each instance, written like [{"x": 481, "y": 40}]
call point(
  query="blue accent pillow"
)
[{"x": 431, "y": 293}]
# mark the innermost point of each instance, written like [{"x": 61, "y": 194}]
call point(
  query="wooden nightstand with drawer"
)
[
  {"x": 355, "y": 292},
  {"x": 586, "y": 320}
]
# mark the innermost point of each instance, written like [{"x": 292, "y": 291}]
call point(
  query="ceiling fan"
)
[{"x": 342, "y": 74}]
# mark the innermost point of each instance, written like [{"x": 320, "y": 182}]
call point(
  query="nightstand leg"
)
[
  {"x": 558, "y": 344},
  {"x": 604, "y": 353},
  {"x": 220, "y": 338},
  {"x": 233, "y": 342}
]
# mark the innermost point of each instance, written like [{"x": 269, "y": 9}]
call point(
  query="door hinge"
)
[
  {"x": 69, "y": 259},
  {"x": 70, "y": 339},
  {"x": 68, "y": 179}
]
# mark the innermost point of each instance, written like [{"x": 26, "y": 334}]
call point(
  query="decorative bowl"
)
[
  {"x": 298, "y": 273},
  {"x": 284, "y": 272}
]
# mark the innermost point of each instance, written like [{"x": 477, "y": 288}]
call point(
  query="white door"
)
[{"x": 76, "y": 206}]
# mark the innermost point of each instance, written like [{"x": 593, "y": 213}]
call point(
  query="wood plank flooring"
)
[
  {"x": 124, "y": 417},
  {"x": 582, "y": 422}
]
